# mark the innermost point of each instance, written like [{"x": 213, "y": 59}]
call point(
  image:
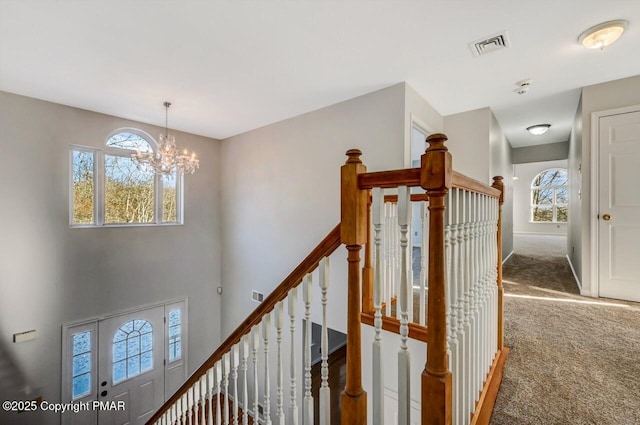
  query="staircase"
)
[{"x": 263, "y": 371}]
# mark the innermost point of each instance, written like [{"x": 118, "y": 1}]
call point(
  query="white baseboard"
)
[
  {"x": 508, "y": 256},
  {"x": 539, "y": 234},
  {"x": 575, "y": 276}
]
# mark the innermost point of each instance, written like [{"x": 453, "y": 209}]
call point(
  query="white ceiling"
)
[{"x": 231, "y": 66}]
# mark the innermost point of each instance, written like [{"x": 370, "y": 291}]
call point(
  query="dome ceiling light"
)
[
  {"x": 602, "y": 35},
  {"x": 538, "y": 129}
]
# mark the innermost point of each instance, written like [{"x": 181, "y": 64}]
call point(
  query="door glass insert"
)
[
  {"x": 132, "y": 350},
  {"x": 81, "y": 365}
]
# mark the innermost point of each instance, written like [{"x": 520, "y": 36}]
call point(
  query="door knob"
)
[{"x": 606, "y": 217}]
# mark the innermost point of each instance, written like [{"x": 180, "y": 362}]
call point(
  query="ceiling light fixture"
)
[
  {"x": 602, "y": 35},
  {"x": 538, "y": 129},
  {"x": 167, "y": 159}
]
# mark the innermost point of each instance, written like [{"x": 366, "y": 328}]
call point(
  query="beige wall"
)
[
  {"x": 52, "y": 275},
  {"x": 576, "y": 194}
]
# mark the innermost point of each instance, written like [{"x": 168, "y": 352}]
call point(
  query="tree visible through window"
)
[
  {"x": 550, "y": 196},
  {"x": 129, "y": 195}
]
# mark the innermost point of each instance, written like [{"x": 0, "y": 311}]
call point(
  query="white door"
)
[
  {"x": 619, "y": 206},
  {"x": 131, "y": 367}
]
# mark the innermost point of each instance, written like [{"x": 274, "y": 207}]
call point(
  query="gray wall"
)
[
  {"x": 52, "y": 275},
  {"x": 539, "y": 153},
  {"x": 282, "y": 189},
  {"x": 574, "y": 230},
  {"x": 481, "y": 151},
  {"x": 599, "y": 97},
  {"x": 502, "y": 165}
]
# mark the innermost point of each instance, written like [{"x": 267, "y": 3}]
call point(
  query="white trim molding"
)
[{"x": 594, "y": 288}]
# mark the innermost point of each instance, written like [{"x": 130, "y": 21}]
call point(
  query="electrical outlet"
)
[{"x": 257, "y": 296}]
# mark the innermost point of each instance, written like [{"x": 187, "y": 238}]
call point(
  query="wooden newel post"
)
[
  {"x": 353, "y": 233},
  {"x": 498, "y": 184},
  {"x": 436, "y": 176}
]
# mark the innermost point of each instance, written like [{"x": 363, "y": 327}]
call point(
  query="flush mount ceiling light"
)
[
  {"x": 602, "y": 35},
  {"x": 538, "y": 129}
]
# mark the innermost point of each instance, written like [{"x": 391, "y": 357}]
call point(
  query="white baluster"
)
[
  {"x": 225, "y": 383},
  {"x": 235, "y": 361},
  {"x": 307, "y": 406},
  {"x": 279, "y": 319},
  {"x": 404, "y": 373},
  {"x": 245, "y": 391},
  {"x": 255, "y": 344},
  {"x": 266, "y": 324},
  {"x": 377, "y": 209},
  {"x": 292, "y": 300},
  {"x": 203, "y": 399},
  {"x": 325, "y": 392},
  {"x": 218, "y": 378},
  {"x": 424, "y": 251},
  {"x": 210, "y": 395}
]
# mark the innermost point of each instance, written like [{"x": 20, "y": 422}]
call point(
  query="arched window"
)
[
  {"x": 132, "y": 350},
  {"x": 549, "y": 196},
  {"x": 108, "y": 188}
]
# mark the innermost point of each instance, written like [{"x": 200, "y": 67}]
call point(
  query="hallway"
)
[{"x": 574, "y": 360}]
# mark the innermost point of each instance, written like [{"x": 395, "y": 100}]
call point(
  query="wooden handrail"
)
[
  {"x": 327, "y": 246},
  {"x": 461, "y": 181}
]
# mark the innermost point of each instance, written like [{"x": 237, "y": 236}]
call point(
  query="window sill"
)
[{"x": 93, "y": 226}]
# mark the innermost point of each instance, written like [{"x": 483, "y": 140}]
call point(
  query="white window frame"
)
[
  {"x": 99, "y": 184},
  {"x": 554, "y": 206},
  {"x": 67, "y": 356}
]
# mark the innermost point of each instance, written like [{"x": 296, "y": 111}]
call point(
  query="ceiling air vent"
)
[{"x": 490, "y": 44}]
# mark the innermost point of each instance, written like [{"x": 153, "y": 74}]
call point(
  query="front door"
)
[
  {"x": 619, "y": 206},
  {"x": 131, "y": 367}
]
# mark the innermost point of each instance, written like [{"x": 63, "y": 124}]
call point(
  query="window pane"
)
[
  {"x": 82, "y": 343},
  {"x": 83, "y": 187},
  {"x": 146, "y": 342},
  {"x": 562, "y": 196},
  {"x": 169, "y": 204},
  {"x": 174, "y": 317},
  {"x": 129, "y": 141},
  {"x": 133, "y": 365},
  {"x": 129, "y": 192},
  {"x": 542, "y": 197},
  {"x": 81, "y": 364},
  {"x": 557, "y": 177},
  {"x": 146, "y": 361},
  {"x": 119, "y": 371},
  {"x": 81, "y": 386},
  {"x": 119, "y": 351},
  {"x": 561, "y": 214},
  {"x": 543, "y": 214},
  {"x": 133, "y": 346}
]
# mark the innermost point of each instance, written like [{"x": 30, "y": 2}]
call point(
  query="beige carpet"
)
[{"x": 573, "y": 360}]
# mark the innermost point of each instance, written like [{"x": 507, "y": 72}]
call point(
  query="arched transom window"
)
[
  {"x": 108, "y": 187},
  {"x": 132, "y": 350},
  {"x": 549, "y": 196}
]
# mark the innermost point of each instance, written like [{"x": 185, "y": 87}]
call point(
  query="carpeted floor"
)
[{"x": 573, "y": 360}]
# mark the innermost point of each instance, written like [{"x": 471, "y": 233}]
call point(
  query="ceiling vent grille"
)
[{"x": 489, "y": 44}]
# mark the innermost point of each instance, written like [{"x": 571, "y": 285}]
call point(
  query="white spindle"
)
[
  {"x": 203, "y": 399},
  {"x": 243, "y": 367},
  {"x": 279, "y": 319},
  {"x": 255, "y": 344},
  {"x": 424, "y": 251},
  {"x": 404, "y": 373},
  {"x": 235, "y": 361},
  {"x": 210, "y": 395},
  {"x": 266, "y": 325},
  {"x": 325, "y": 392},
  {"x": 292, "y": 300},
  {"x": 307, "y": 406},
  {"x": 218, "y": 379},
  {"x": 377, "y": 209},
  {"x": 225, "y": 383}
]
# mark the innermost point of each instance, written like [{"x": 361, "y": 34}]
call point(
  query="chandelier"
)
[{"x": 166, "y": 159}]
